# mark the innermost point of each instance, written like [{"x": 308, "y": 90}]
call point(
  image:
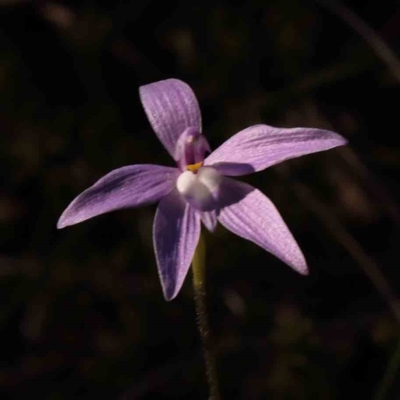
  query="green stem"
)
[
  {"x": 390, "y": 374},
  {"x": 198, "y": 269}
]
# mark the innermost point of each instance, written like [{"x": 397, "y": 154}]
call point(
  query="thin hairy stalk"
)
[
  {"x": 389, "y": 375},
  {"x": 378, "y": 45},
  {"x": 198, "y": 269}
]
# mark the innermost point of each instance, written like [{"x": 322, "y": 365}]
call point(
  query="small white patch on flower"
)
[{"x": 198, "y": 188}]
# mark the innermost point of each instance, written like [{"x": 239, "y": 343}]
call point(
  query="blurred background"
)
[{"x": 82, "y": 314}]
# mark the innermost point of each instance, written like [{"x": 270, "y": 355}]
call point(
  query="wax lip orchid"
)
[{"x": 199, "y": 188}]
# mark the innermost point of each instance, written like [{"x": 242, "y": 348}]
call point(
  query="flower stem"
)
[{"x": 198, "y": 269}]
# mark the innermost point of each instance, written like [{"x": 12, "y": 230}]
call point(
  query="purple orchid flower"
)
[{"x": 199, "y": 189}]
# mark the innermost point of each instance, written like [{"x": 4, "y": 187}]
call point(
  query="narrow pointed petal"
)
[
  {"x": 176, "y": 232},
  {"x": 171, "y": 107},
  {"x": 209, "y": 219},
  {"x": 261, "y": 146},
  {"x": 251, "y": 215},
  {"x": 129, "y": 186}
]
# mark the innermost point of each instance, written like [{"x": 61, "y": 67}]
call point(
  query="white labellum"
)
[{"x": 198, "y": 189}]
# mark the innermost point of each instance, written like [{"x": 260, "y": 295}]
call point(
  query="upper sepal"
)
[{"x": 171, "y": 107}]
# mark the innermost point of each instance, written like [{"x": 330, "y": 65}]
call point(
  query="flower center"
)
[
  {"x": 191, "y": 149},
  {"x": 194, "y": 167},
  {"x": 199, "y": 189}
]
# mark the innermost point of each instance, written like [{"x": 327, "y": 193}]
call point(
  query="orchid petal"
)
[
  {"x": 250, "y": 214},
  {"x": 200, "y": 190},
  {"x": 171, "y": 107},
  {"x": 261, "y": 146},
  {"x": 209, "y": 219},
  {"x": 176, "y": 232},
  {"x": 129, "y": 186}
]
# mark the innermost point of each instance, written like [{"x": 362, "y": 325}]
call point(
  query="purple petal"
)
[
  {"x": 209, "y": 219},
  {"x": 251, "y": 215},
  {"x": 130, "y": 186},
  {"x": 171, "y": 107},
  {"x": 261, "y": 146},
  {"x": 176, "y": 232}
]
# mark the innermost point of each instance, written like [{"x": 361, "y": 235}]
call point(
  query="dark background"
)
[{"x": 82, "y": 314}]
